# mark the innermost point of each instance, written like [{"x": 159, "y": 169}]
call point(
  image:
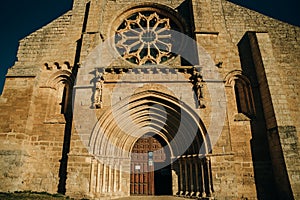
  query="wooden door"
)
[{"x": 146, "y": 152}]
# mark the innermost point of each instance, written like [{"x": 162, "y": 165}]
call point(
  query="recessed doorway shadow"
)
[{"x": 163, "y": 180}]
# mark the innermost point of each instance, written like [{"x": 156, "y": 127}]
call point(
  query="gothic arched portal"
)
[{"x": 181, "y": 135}]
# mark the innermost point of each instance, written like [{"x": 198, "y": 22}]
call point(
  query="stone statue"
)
[
  {"x": 99, "y": 91},
  {"x": 198, "y": 87}
]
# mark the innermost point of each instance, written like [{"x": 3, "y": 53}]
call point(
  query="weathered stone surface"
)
[{"x": 72, "y": 108}]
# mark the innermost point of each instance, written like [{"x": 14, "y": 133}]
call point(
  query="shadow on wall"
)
[{"x": 266, "y": 169}]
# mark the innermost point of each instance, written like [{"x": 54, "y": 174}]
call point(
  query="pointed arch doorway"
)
[
  {"x": 174, "y": 125},
  {"x": 150, "y": 167}
]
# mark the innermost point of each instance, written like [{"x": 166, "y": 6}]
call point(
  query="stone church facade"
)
[{"x": 194, "y": 98}]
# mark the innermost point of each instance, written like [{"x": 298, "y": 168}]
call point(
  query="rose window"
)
[{"x": 145, "y": 38}]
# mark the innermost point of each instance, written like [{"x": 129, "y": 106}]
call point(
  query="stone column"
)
[
  {"x": 104, "y": 179},
  {"x": 92, "y": 175},
  {"x": 115, "y": 179},
  {"x": 208, "y": 177},
  {"x": 186, "y": 177},
  {"x": 191, "y": 177},
  {"x": 203, "y": 177},
  {"x": 197, "y": 177},
  {"x": 98, "y": 183},
  {"x": 180, "y": 177},
  {"x": 120, "y": 177},
  {"x": 109, "y": 178}
]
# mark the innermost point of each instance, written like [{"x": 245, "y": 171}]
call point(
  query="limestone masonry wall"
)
[{"x": 255, "y": 156}]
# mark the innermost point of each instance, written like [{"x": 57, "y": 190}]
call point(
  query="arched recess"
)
[
  {"x": 60, "y": 94},
  {"x": 242, "y": 92},
  {"x": 150, "y": 111}
]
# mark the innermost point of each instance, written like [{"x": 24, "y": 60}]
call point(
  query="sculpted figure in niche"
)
[
  {"x": 99, "y": 91},
  {"x": 198, "y": 88}
]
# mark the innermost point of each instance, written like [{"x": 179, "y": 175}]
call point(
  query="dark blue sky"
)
[{"x": 19, "y": 18}]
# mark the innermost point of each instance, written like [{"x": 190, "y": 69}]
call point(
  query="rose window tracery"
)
[{"x": 145, "y": 38}]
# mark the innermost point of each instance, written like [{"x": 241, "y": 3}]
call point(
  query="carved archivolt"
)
[
  {"x": 233, "y": 76},
  {"x": 61, "y": 76}
]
